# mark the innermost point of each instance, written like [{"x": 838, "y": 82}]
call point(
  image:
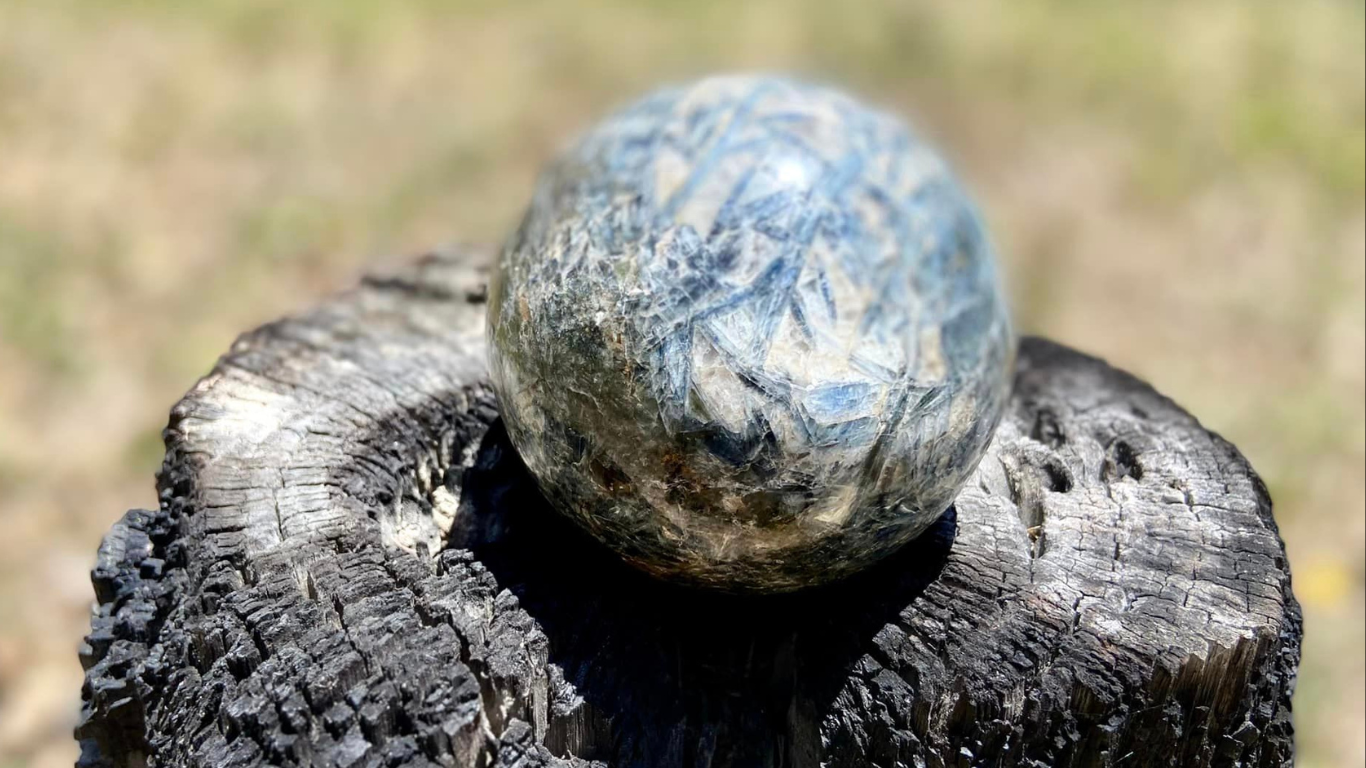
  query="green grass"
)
[
  {"x": 1175, "y": 185},
  {"x": 34, "y": 317}
]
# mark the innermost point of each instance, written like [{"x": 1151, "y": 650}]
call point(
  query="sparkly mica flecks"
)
[{"x": 750, "y": 334}]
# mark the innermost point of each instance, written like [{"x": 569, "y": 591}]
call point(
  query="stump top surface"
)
[{"x": 350, "y": 565}]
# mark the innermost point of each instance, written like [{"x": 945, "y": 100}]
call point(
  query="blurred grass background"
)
[{"x": 1176, "y": 186}]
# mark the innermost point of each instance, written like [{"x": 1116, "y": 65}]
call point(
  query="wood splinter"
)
[{"x": 349, "y": 566}]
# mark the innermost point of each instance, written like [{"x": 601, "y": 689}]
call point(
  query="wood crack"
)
[{"x": 1029, "y": 627}]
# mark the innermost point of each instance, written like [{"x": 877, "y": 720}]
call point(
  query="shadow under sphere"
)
[{"x": 673, "y": 676}]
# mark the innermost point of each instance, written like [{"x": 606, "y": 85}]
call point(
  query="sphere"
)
[{"x": 749, "y": 334}]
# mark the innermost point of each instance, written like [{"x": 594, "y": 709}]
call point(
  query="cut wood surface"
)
[{"x": 350, "y": 566}]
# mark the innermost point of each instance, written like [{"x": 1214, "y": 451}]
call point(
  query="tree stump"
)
[{"x": 349, "y": 566}]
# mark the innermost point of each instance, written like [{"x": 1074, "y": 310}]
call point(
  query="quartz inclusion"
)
[{"x": 749, "y": 334}]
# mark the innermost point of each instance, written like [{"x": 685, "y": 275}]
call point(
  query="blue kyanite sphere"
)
[{"x": 750, "y": 334}]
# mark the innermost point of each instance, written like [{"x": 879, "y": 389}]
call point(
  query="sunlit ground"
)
[{"x": 1177, "y": 187}]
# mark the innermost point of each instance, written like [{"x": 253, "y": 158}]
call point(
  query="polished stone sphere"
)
[{"x": 750, "y": 334}]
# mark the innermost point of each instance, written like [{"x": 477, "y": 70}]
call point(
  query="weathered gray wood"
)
[{"x": 350, "y": 567}]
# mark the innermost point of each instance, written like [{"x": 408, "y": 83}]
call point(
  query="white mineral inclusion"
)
[{"x": 750, "y": 334}]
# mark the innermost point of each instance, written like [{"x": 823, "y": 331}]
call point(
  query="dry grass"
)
[{"x": 1176, "y": 186}]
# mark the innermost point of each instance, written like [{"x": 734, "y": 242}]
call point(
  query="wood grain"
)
[{"x": 350, "y": 567}]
